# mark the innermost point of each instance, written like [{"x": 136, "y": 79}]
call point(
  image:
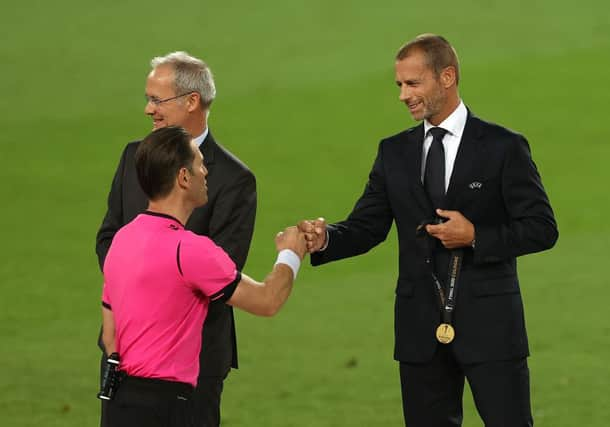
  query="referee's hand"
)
[{"x": 291, "y": 238}]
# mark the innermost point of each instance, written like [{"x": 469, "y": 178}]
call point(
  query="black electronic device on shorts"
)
[{"x": 111, "y": 378}]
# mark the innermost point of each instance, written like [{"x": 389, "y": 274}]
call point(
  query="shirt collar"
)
[
  {"x": 162, "y": 215},
  {"x": 199, "y": 140},
  {"x": 454, "y": 124}
]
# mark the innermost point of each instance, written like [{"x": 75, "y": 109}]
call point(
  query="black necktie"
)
[
  {"x": 434, "y": 182},
  {"x": 434, "y": 174}
]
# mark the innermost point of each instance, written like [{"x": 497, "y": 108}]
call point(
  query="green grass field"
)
[{"x": 305, "y": 92}]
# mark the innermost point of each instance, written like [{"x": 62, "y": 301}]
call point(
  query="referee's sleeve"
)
[
  {"x": 105, "y": 298},
  {"x": 225, "y": 293},
  {"x": 206, "y": 267}
]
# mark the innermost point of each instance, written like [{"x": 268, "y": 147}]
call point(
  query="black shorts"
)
[{"x": 150, "y": 402}]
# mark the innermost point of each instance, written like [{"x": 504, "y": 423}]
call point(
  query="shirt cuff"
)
[{"x": 323, "y": 248}]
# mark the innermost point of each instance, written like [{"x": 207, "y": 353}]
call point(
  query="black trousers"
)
[
  {"x": 205, "y": 404},
  {"x": 145, "y": 402},
  {"x": 206, "y": 401},
  {"x": 432, "y": 392}
]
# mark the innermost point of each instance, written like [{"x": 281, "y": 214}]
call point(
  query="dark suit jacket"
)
[
  {"x": 227, "y": 218},
  {"x": 512, "y": 216}
]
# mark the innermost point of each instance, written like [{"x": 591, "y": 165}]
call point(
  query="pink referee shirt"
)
[{"x": 158, "y": 281}]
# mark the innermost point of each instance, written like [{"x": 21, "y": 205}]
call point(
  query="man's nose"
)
[
  {"x": 149, "y": 108},
  {"x": 404, "y": 93}
]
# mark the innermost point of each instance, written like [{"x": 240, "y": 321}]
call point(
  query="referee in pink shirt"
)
[{"x": 159, "y": 280}]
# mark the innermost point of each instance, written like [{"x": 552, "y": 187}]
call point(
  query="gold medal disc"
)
[{"x": 445, "y": 333}]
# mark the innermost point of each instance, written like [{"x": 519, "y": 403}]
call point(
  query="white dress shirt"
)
[
  {"x": 199, "y": 140},
  {"x": 454, "y": 125}
]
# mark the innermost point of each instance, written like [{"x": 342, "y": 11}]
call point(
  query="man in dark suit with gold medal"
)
[{"x": 471, "y": 192}]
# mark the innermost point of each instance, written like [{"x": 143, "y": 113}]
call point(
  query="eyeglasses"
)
[{"x": 156, "y": 101}]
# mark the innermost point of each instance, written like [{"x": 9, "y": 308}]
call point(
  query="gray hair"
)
[{"x": 190, "y": 75}]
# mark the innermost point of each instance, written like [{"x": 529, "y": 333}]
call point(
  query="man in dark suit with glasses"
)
[{"x": 179, "y": 91}]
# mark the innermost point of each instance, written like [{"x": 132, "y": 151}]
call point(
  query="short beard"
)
[{"x": 435, "y": 104}]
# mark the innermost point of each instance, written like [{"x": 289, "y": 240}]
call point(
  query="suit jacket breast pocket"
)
[
  {"x": 479, "y": 197},
  {"x": 480, "y": 187}
]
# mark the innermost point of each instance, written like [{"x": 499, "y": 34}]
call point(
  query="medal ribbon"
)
[
  {"x": 447, "y": 304},
  {"x": 427, "y": 244}
]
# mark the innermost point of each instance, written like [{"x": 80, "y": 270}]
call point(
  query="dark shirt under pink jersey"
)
[{"x": 158, "y": 281}]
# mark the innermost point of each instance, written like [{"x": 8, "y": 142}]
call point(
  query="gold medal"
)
[{"x": 445, "y": 333}]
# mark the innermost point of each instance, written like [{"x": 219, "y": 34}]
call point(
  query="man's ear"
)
[
  {"x": 193, "y": 101},
  {"x": 448, "y": 77},
  {"x": 183, "y": 178}
]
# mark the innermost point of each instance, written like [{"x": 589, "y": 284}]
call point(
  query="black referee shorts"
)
[{"x": 146, "y": 402}]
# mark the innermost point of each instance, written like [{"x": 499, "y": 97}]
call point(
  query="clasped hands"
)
[
  {"x": 306, "y": 237},
  {"x": 456, "y": 232}
]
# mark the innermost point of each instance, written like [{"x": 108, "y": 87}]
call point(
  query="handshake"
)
[{"x": 307, "y": 236}]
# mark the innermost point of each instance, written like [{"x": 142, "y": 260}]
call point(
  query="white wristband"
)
[{"x": 291, "y": 259}]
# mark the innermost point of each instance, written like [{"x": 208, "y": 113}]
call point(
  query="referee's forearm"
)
[
  {"x": 108, "y": 331},
  {"x": 264, "y": 298},
  {"x": 278, "y": 285}
]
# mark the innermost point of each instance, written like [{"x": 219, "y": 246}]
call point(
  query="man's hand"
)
[
  {"x": 315, "y": 233},
  {"x": 456, "y": 232},
  {"x": 293, "y": 239}
]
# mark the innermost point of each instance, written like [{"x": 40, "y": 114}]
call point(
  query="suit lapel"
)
[
  {"x": 201, "y": 215},
  {"x": 208, "y": 149},
  {"x": 466, "y": 159},
  {"x": 413, "y": 154}
]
